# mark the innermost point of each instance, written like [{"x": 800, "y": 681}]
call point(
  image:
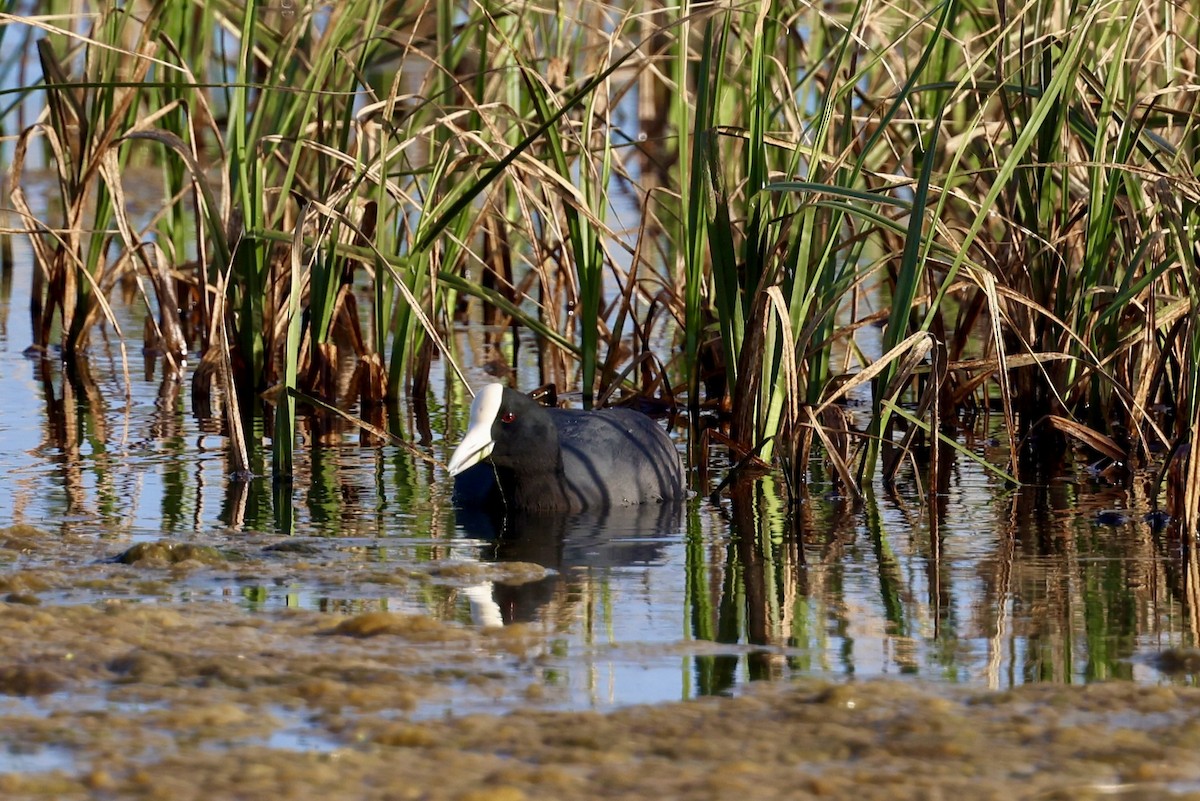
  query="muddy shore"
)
[{"x": 115, "y": 684}]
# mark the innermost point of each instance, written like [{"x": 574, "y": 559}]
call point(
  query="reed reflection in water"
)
[{"x": 987, "y": 586}]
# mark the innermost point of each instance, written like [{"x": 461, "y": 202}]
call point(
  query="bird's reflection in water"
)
[{"x": 564, "y": 543}]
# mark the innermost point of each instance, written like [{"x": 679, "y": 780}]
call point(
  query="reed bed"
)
[{"x": 959, "y": 212}]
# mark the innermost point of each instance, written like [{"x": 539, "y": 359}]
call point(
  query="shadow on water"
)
[{"x": 566, "y": 544}]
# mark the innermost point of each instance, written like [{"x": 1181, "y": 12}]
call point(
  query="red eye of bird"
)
[{"x": 507, "y": 417}]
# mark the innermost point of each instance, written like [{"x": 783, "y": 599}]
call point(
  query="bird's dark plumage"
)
[{"x": 530, "y": 458}]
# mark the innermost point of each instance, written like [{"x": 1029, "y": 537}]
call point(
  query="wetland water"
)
[{"x": 170, "y": 632}]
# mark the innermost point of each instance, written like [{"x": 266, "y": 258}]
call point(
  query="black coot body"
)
[{"x": 523, "y": 456}]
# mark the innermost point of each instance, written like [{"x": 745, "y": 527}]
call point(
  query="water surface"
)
[{"x": 1014, "y": 587}]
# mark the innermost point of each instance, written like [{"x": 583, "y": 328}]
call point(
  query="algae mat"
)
[{"x": 121, "y": 678}]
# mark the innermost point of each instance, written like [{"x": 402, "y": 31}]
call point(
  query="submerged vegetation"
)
[{"x": 754, "y": 213}]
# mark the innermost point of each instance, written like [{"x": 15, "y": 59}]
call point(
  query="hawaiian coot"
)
[{"x": 540, "y": 459}]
